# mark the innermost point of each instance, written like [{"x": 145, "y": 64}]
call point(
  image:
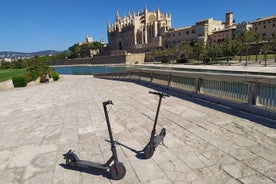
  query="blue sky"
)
[{"x": 35, "y": 25}]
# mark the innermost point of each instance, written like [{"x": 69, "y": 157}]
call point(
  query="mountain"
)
[{"x": 10, "y": 54}]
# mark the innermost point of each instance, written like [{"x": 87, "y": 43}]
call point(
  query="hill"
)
[{"x": 11, "y": 54}]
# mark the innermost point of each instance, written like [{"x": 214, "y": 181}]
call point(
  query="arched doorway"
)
[{"x": 120, "y": 46}]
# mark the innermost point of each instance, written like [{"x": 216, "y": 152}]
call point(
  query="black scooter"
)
[
  {"x": 155, "y": 139},
  {"x": 117, "y": 170}
]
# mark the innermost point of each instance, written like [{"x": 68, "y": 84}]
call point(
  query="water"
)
[
  {"x": 212, "y": 70},
  {"x": 88, "y": 70}
]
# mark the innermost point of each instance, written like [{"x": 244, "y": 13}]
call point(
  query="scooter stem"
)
[
  {"x": 113, "y": 148},
  {"x": 156, "y": 117}
]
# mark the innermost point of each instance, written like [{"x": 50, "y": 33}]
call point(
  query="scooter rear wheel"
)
[
  {"x": 148, "y": 151},
  {"x": 71, "y": 161},
  {"x": 117, "y": 171}
]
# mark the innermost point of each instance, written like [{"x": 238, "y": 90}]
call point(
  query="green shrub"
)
[
  {"x": 34, "y": 75},
  {"x": 182, "y": 60},
  {"x": 55, "y": 75},
  {"x": 42, "y": 78},
  {"x": 28, "y": 76},
  {"x": 20, "y": 81},
  {"x": 166, "y": 59}
]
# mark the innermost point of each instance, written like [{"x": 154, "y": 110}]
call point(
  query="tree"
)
[
  {"x": 238, "y": 48},
  {"x": 83, "y": 50},
  {"x": 257, "y": 39},
  {"x": 227, "y": 47},
  {"x": 185, "y": 50},
  {"x": 266, "y": 48},
  {"x": 272, "y": 42},
  {"x": 215, "y": 50},
  {"x": 246, "y": 38},
  {"x": 198, "y": 48}
]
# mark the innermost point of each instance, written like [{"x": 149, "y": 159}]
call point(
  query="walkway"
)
[{"x": 205, "y": 143}]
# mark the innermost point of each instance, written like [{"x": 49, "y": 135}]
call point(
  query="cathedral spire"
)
[
  {"x": 129, "y": 14},
  {"x": 108, "y": 25},
  {"x": 117, "y": 16}
]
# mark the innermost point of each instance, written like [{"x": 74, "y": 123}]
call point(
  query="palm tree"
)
[
  {"x": 272, "y": 41},
  {"x": 266, "y": 49},
  {"x": 215, "y": 50},
  {"x": 198, "y": 49},
  {"x": 246, "y": 38},
  {"x": 257, "y": 38},
  {"x": 238, "y": 47},
  {"x": 185, "y": 50},
  {"x": 227, "y": 47}
]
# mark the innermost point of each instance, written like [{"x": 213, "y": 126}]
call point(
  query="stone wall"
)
[
  {"x": 118, "y": 59},
  {"x": 130, "y": 58},
  {"x": 6, "y": 85},
  {"x": 36, "y": 82},
  {"x": 9, "y": 84},
  {"x": 133, "y": 58}
]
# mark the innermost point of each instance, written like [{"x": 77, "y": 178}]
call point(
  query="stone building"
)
[
  {"x": 195, "y": 33},
  {"x": 243, "y": 26},
  {"x": 228, "y": 30},
  {"x": 265, "y": 26},
  {"x": 138, "y": 31},
  {"x": 88, "y": 39}
]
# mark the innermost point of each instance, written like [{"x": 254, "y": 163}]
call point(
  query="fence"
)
[{"x": 254, "y": 90}]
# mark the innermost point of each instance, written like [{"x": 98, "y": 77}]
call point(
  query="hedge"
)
[{"x": 20, "y": 81}]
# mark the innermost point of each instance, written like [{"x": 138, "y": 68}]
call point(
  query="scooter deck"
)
[{"x": 85, "y": 163}]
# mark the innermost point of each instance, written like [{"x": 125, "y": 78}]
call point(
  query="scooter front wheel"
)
[
  {"x": 117, "y": 171},
  {"x": 148, "y": 151},
  {"x": 71, "y": 161}
]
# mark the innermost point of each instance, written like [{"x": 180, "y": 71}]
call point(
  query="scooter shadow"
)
[
  {"x": 87, "y": 170},
  {"x": 139, "y": 154}
]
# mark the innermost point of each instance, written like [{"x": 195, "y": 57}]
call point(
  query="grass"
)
[
  {"x": 10, "y": 73},
  {"x": 252, "y": 57}
]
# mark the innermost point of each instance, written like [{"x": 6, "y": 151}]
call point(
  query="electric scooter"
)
[
  {"x": 117, "y": 170},
  {"x": 155, "y": 139}
]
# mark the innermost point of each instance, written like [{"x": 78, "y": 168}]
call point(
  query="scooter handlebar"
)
[
  {"x": 159, "y": 93},
  {"x": 108, "y": 102}
]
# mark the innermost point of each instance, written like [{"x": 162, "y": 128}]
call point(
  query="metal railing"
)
[{"x": 258, "y": 90}]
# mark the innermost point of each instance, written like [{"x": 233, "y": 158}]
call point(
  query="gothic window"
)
[{"x": 152, "y": 18}]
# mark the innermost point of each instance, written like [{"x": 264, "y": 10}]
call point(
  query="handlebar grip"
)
[
  {"x": 108, "y": 102},
  {"x": 166, "y": 95},
  {"x": 159, "y": 93}
]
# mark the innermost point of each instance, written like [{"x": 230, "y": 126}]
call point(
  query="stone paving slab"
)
[{"x": 203, "y": 145}]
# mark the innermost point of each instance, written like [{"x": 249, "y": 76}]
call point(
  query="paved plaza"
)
[{"x": 205, "y": 142}]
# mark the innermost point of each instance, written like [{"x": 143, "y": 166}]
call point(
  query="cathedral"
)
[{"x": 138, "y": 31}]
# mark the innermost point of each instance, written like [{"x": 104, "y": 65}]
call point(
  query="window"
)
[
  {"x": 193, "y": 31},
  {"x": 173, "y": 35},
  {"x": 273, "y": 25},
  {"x": 179, "y": 34},
  {"x": 255, "y": 28},
  {"x": 187, "y": 32},
  {"x": 264, "y": 27}
]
